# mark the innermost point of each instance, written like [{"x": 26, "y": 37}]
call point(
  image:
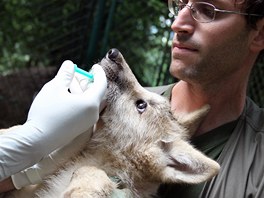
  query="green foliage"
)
[
  {"x": 13, "y": 51},
  {"x": 26, "y": 28},
  {"x": 141, "y": 30},
  {"x": 34, "y": 33},
  {"x": 43, "y": 33},
  {"x": 18, "y": 30}
]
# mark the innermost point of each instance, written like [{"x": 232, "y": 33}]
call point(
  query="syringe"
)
[{"x": 83, "y": 72}]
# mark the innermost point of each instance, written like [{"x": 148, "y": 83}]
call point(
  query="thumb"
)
[
  {"x": 66, "y": 73},
  {"x": 98, "y": 87}
]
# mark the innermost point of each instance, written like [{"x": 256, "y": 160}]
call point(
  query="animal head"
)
[{"x": 141, "y": 122}]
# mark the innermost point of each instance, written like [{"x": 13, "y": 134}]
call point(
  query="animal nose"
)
[{"x": 113, "y": 54}]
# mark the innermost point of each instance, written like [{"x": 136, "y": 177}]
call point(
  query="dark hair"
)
[{"x": 253, "y": 7}]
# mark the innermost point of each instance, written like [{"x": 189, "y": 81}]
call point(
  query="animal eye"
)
[{"x": 141, "y": 106}]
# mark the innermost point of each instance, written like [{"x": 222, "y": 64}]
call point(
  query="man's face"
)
[{"x": 208, "y": 52}]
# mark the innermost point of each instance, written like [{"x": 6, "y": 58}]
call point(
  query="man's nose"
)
[{"x": 184, "y": 22}]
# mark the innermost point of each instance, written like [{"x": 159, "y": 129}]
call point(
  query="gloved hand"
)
[
  {"x": 62, "y": 115},
  {"x": 49, "y": 164},
  {"x": 55, "y": 118}
]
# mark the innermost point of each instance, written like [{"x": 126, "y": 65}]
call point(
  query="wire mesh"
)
[{"x": 37, "y": 36}]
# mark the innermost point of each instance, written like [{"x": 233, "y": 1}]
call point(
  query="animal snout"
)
[{"x": 112, "y": 54}]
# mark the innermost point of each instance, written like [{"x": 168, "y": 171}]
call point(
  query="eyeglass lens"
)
[{"x": 201, "y": 11}]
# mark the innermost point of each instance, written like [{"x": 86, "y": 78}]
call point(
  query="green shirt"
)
[
  {"x": 241, "y": 158},
  {"x": 211, "y": 144}
]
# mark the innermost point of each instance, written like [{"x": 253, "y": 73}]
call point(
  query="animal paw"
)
[{"x": 89, "y": 182}]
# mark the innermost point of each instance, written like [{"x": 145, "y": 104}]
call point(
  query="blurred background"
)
[{"x": 36, "y": 36}]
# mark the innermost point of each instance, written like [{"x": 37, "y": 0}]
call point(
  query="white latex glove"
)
[
  {"x": 55, "y": 118},
  {"x": 49, "y": 164}
]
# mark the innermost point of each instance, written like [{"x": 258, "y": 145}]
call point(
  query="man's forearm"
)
[{"x": 6, "y": 185}]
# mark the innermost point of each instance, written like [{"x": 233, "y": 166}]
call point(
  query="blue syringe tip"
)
[{"x": 83, "y": 72}]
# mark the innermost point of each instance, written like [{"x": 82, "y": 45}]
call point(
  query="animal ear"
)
[
  {"x": 187, "y": 165},
  {"x": 191, "y": 121},
  {"x": 187, "y": 124}
]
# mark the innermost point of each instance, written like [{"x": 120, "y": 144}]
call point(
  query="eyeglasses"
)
[{"x": 202, "y": 12}]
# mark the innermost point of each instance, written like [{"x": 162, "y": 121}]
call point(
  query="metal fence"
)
[{"x": 82, "y": 32}]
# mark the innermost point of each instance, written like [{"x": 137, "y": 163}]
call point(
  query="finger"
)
[
  {"x": 98, "y": 87},
  {"x": 66, "y": 73},
  {"x": 83, "y": 81},
  {"x": 75, "y": 86}
]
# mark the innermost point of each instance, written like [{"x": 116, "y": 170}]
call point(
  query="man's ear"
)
[
  {"x": 187, "y": 165},
  {"x": 258, "y": 37}
]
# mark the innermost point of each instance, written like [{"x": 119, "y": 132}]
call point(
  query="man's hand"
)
[
  {"x": 59, "y": 115},
  {"x": 49, "y": 164},
  {"x": 55, "y": 118}
]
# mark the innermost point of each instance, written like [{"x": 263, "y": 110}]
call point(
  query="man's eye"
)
[
  {"x": 205, "y": 10},
  {"x": 182, "y": 4}
]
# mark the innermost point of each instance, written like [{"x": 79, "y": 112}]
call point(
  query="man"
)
[
  {"x": 214, "y": 49},
  {"x": 213, "y": 59}
]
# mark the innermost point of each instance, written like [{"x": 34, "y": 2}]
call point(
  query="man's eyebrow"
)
[
  {"x": 219, "y": 2},
  {"x": 214, "y": 1}
]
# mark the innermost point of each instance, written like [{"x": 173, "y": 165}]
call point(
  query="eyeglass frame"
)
[{"x": 172, "y": 10}]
